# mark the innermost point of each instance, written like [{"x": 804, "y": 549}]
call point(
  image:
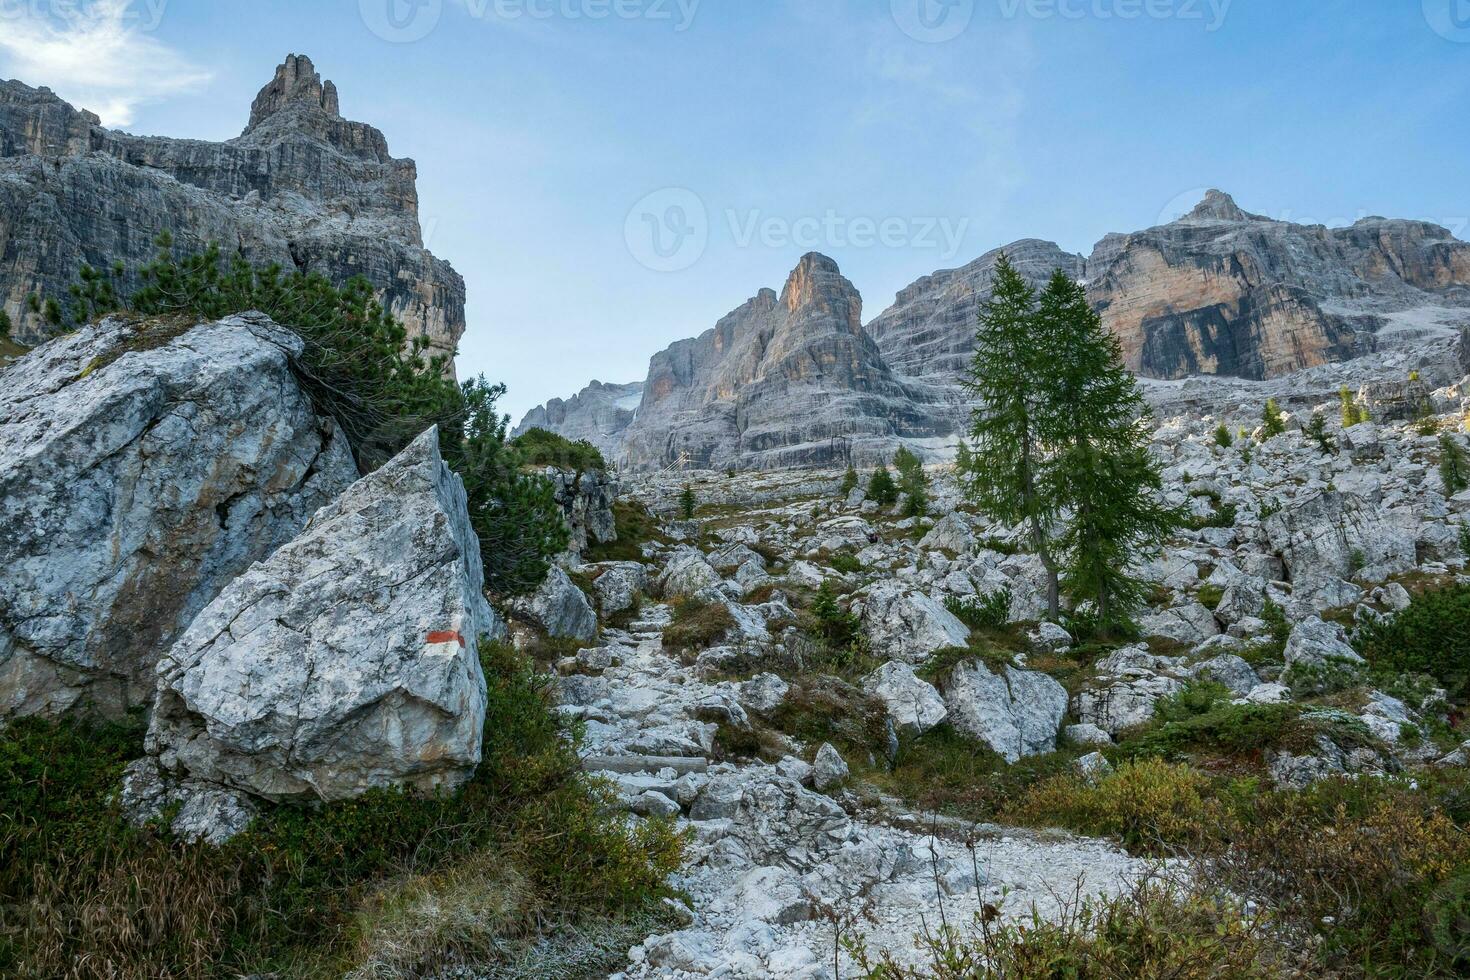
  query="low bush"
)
[
  {"x": 87, "y": 894},
  {"x": 635, "y": 526},
  {"x": 1149, "y": 804},
  {"x": 846, "y": 563},
  {"x": 992, "y": 610},
  {"x": 1430, "y": 636},
  {"x": 1156, "y": 930},
  {"x": 697, "y": 625},
  {"x": 540, "y": 447}
]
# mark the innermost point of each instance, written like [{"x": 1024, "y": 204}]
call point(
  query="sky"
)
[{"x": 610, "y": 176}]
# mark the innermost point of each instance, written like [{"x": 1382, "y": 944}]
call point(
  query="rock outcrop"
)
[
  {"x": 143, "y": 466},
  {"x": 1223, "y": 291},
  {"x": 347, "y": 660},
  {"x": 301, "y": 187},
  {"x": 782, "y": 381},
  {"x": 929, "y": 331},
  {"x": 599, "y": 414}
]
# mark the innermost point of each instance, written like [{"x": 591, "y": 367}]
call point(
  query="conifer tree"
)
[
  {"x": 1271, "y": 422},
  {"x": 5, "y": 324},
  {"x": 849, "y": 481},
  {"x": 687, "y": 502},
  {"x": 1317, "y": 432},
  {"x": 1454, "y": 468},
  {"x": 912, "y": 481},
  {"x": 1094, "y": 415},
  {"x": 1351, "y": 414},
  {"x": 881, "y": 488},
  {"x": 1223, "y": 438},
  {"x": 1004, "y": 470}
]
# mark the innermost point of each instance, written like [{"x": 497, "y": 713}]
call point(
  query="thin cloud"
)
[{"x": 97, "y": 55}]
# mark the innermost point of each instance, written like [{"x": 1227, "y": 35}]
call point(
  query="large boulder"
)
[
  {"x": 586, "y": 501},
  {"x": 1333, "y": 534},
  {"x": 1317, "y": 643},
  {"x": 558, "y": 607},
  {"x": 687, "y": 573},
  {"x": 913, "y": 704},
  {"x": 143, "y": 466},
  {"x": 1016, "y": 712},
  {"x": 347, "y": 660},
  {"x": 906, "y": 625}
]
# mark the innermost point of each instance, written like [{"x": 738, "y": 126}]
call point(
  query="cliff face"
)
[
  {"x": 301, "y": 186},
  {"x": 784, "y": 380},
  {"x": 929, "y": 331},
  {"x": 599, "y": 414},
  {"x": 1219, "y": 292},
  {"x": 1223, "y": 291}
]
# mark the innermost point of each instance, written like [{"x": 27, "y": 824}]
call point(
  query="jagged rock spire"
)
[{"x": 296, "y": 81}]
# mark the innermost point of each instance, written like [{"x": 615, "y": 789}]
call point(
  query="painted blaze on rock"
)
[{"x": 349, "y": 659}]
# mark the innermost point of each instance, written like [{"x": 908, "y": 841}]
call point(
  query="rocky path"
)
[{"x": 775, "y": 867}]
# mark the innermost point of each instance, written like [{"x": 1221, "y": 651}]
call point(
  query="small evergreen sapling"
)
[
  {"x": 1222, "y": 436},
  {"x": 913, "y": 482},
  {"x": 687, "y": 502},
  {"x": 881, "y": 488},
  {"x": 1272, "y": 424},
  {"x": 1317, "y": 432},
  {"x": 1454, "y": 468},
  {"x": 5, "y": 325},
  {"x": 849, "y": 482}
]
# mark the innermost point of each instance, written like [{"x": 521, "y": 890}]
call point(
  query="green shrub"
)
[
  {"x": 540, "y": 447},
  {"x": 1430, "y": 636},
  {"x": 82, "y": 887},
  {"x": 849, "y": 482},
  {"x": 687, "y": 502},
  {"x": 1317, "y": 431},
  {"x": 635, "y": 527},
  {"x": 1272, "y": 424},
  {"x": 1224, "y": 515},
  {"x": 992, "y": 610},
  {"x": 829, "y": 622},
  {"x": 913, "y": 482},
  {"x": 881, "y": 488},
  {"x": 1148, "y": 804},
  {"x": 1221, "y": 728},
  {"x": 697, "y": 625},
  {"x": 5, "y": 325},
  {"x": 1223, "y": 438},
  {"x": 845, "y": 562}
]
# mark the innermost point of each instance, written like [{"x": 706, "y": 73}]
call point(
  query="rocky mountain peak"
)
[
  {"x": 1218, "y": 206},
  {"x": 818, "y": 283},
  {"x": 296, "y": 82}
]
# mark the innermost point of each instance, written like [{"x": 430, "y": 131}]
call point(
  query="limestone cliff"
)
[
  {"x": 783, "y": 380},
  {"x": 301, "y": 186}
]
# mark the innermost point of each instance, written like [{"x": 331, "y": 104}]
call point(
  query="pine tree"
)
[
  {"x": 1272, "y": 423},
  {"x": 849, "y": 481},
  {"x": 687, "y": 502},
  {"x": 1351, "y": 414},
  {"x": 912, "y": 481},
  {"x": 881, "y": 488},
  {"x": 1222, "y": 436},
  {"x": 1317, "y": 432},
  {"x": 1454, "y": 468},
  {"x": 5, "y": 325},
  {"x": 1004, "y": 470},
  {"x": 1095, "y": 416}
]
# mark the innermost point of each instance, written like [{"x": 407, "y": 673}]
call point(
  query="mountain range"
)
[{"x": 799, "y": 379}]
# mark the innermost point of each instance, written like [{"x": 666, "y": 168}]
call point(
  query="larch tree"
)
[
  {"x": 1004, "y": 469},
  {"x": 1093, "y": 419}
]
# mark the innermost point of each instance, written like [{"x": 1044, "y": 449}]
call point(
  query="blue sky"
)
[{"x": 555, "y": 138}]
